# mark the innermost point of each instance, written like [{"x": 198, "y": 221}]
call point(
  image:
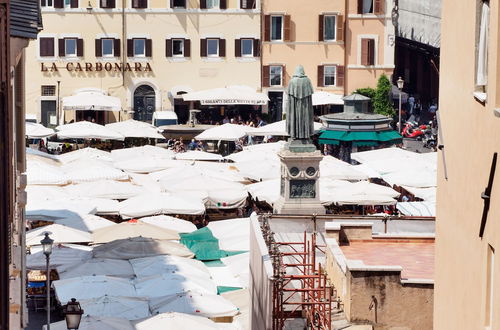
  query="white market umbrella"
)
[
  {"x": 198, "y": 155},
  {"x": 168, "y": 264},
  {"x": 239, "y": 265},
  {"x": 91, "y": 99},
  {"x": 141, "y": 153},
  {"x": 233, "y": 234},
  {"x": 276, "y": 129},
  {"x": 87, "y": 130},
  {"x": 418, "y": 209},
  {"x": 382, "y": 154},
  {"x": 227, "y": 95},
  {"x": 105, "y": 189},
  {"x": 155, "y": 204},
  {"x": 321, "y": 97},
  {"x": 58, "y": 209},
  {"x": 220, "y": 171},
  {"x": 412, "y": 177},
  {"x": 44, "y": 193},
  {"x": 146, "y": 164},
  {"x": 62, "y": 254},
  {"x": 133, "y": 228},
  {"x": 130, "y": 308},
  {"x": 39, "y": 173},
  {"x": 88, "y": 170},
  {"x": 171, "y": 223},
  {"x": 225, "y": 132},
  {"x": 59, "y": 233},
  {"x": 37, "y": 131},
  {"x": 89, "y": 322},
  {"x": 167, "y": 284},
  {"x": 207, "y": 305},
  {"x": 86, "y": 153},
  {"x": 88, "y": 287},
  {"x": 268, "y": 191},
  {"x": 135, "y": 129},
  {"x": 140, "y": 247},
  {"x": 175, "y": 321},
  {"x": 331, "y": 167},
  {"x": 97, "y": 266},
  {"x": 88, "y": 222}
]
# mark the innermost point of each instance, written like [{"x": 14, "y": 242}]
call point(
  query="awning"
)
[
  {"x": 37, "y": 131},
  {"x": 135, "y": 129},
  {"x": 360, "y": 138},
  {"x": 87, "y": 130},
  {"x": 91, "y": 99},
  {"x": 320, "y": 98},
  {"x": 227, "y": 96}
]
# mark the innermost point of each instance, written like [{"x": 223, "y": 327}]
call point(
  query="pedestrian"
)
[
  {"x": 192, "y": 145},
  {"x": 411, "y": 103}
]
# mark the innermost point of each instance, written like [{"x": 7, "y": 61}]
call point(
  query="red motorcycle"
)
[{"x": 413, "y": 131}]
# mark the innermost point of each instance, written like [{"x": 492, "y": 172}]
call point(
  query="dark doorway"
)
[
  {"x": 98, "y": 117},
  {"x": 144, "y": 103},
  {"x": 275, "y": 106},
  {"x": 181, "y": 108},
  {"x": 49, "y": 116}
]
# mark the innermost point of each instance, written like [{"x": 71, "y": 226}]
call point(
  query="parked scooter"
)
[
  {"x": 430, "y": 137},
  {"x": 413, "y": 131}
]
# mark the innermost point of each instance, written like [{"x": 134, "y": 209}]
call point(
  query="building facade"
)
[
  {"x": 146, "y": 52},
  {"x": 342, "y": 45},
  {"x": 467, "y": 282}
]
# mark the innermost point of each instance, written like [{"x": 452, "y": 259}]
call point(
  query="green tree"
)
[
  {"x": 381, "y": 101},
  {"x": 367, "y": 91}
]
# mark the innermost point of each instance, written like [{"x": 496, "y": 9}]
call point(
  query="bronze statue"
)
[{"x": 299, "y": 109}]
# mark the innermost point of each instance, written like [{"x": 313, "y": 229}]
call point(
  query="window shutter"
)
[
  {"x": 117, "y": 50},
  {"x": 287, "y": 28},
  {"x": 135, "y": 3},
  {"x": 256, "y": 47},
  {"x": 46, "y": 46},
  {"x": 364, "y": 51},
  {"x": 340, "y": 28},
  {"x": 98, "y": 48},
  {"x": 247, "y": 4},
  {"x": 43, "y": 3},
  {"x": 223, "y": 4},
  {"x": 62, "y": 50},
  {"x": 378, "y": 8},
  {"x": 130, "y": 47},
  {"x": 360, "y": 6},
  {"x": 168, "y": 47},
  {"x": 79, "y": 47},
  {"x": 283, "y": 75},
  {"x": 237, "y": 47},
  {"x": 339, "y": 79},
  {"x": 265, "y": 76},
  {"x": 371, "y": 51},
  {"x": 203, "y": 47},
  {"x": 222, "y": 47},
  {"x": 321, "y": 33},
  {"x": 111, "y": 3},
  {"x": 74, "y": 4},
  {"x": 143, "y": 4},
  {"x": 149, "y": 48},
  {"x": 171, "y": 3},
  {"x": 187, "y": 48},
  {"x": 203, "y": 4},
  {"x": 321, "y": 75},
  {"x": 58, "y": 3},
  {"x": 267, "y": 28}
]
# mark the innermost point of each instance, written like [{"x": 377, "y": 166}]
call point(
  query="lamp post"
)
[
  {"x": 73, "y": 314},
  {"x": 47, "y": 250},
  {"x": 400, "y": 83}
]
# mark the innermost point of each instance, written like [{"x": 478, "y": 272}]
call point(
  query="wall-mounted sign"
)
[{"x": 97, "y": 67}]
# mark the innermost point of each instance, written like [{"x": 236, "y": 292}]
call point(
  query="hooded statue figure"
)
[{"x": 299, "y": 110}]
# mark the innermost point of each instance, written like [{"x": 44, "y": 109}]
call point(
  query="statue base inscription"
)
[{"x": 299, "y": 193}]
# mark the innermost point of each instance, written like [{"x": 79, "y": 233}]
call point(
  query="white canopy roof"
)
[
  {"x": 381, "y": 154},
  {"x": 268, "y": 190},
  {"x": 175, "y": 321},
  {"x": 95, "y": 323},
  {"x": 36, "y": 131},
  {"x": 225, "y": 132},
  {"x": 58, "y": 209},
  {"x": 130, "y": 308},
  {"x": 233, "y": 234},
  {"x": 168, "y": 264},
  {"x": 171, "y": 223},
  {"x": 133, "y": 228},
  {"x": 427, "y": 194},
  {"x": 91, "y": 99},
  {"x": 331, "y": 167},
  {"x": 88, "y": 287},
  {"x": 154, "y": 204},
  {"x": 105, "y": 189},
  {"x": 227, "y": 95},
  {"x": 197, "y": 155},
  {"x": 88, "y": 222},
  {"x": 239, "y": 265},
  {"x": 88, "y": 170},
  {"x": 146, "y": 164},
  {"x": 276, "y": 129},
  {"x": 95, "y": 266},
  {"x": 423, "y": 209},
  {"x": 62, "y": 254},
  {"x": 59, "y": 233},
  {"x": 321, "y": 97},
  {"x": 207, "y": 305},
  {"x": 86, "y": 153},
  {"x": 38, "y": 193},
  {"x": 87, "y": 130},
  {"x": 141, "y": 153},
  {"x": 135, "y": 129},
  {"x": 167, "y": 284},
  {"x": 40, "y": 173}
]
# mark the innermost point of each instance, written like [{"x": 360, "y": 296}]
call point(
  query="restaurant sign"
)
[{"x": 97, "y": 67}]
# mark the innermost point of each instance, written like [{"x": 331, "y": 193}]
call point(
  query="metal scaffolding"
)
[{"x": 300, "y": 286}]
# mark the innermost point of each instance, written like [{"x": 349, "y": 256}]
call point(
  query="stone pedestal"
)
[{"x": 299, "y": 181}]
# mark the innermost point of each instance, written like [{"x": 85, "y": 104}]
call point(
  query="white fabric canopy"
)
[
  {"x": 427, "y": 194},
  {"x": 268, "y": 191},
  {"x": 86, "y": 153},
  {"x": 233, "y": 234},
  {"x": 146, "y": 151},
  {"x": 276, "y": 129},
  {"x": 167, "y": 284},
  {"x": 225, "y": 132},
  {"x": 130, "y": 308},
  {"x": 95, "y": 323},
  {"x": 91, "y": 99},
  {"x": 39, "y": 173},
  {"x": 135, "y": 129},
  {"x": 175, "y": 321},
  {"x": 382, "y": 154},
  {"x": 146, "y": 164},
  {"x": 168, "y": 264},
  {"x": 105, "y": 189},
  {"x": 133, "y": 228},
  {"x": 88, "y": 222},
  {"x": 88, "y": 287},
  {"x": 239, "y": 265},
  {"x": 96, "y": 266},
  {"x": 59, "y": 233},
  {"x": 87, "y": 130},
  {"x": 331, "y": 167},
  {"x": 58, "y": 209},
  {"x": 171, "y": 223},
  {"x": 321, "y": 97},
  {"x": 37, "y": 131},
  {"x": 88, "y": 170},
  {"x": 422, "y": 209},
  {"x": 207, "y": 305},
  {"x": 155, "y": 204},
  {"x": 228, "y": 95},
  {"x": 414, "y": 177},
  {"x": 38, "y": 193},
  {"x": 197, "y": 155},
  {"x": 62, "y": 254}
]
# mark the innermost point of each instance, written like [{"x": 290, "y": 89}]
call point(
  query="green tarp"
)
[
  {"x": 360, "y": 138},
  {"x": 204, "y": 245},
  {"x": 222, "y": 289}
]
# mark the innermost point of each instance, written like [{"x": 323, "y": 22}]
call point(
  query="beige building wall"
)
[
  {"x": 467, "y": 291},
  {"x": 158, "y": 22}
]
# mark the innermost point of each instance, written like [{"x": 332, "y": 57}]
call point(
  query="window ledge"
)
[
  {"x": 213, "y": 59},
  {"x": 480, "y": 96},
  {"x": 178, "y": 59}
]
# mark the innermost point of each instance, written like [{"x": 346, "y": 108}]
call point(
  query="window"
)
[
  {"x": 178, "y": 3},
  {"x": 139, "y": 47},
  {"x": 139, "y": 4},
  {"x": 329, "y": 75},
  {"x": 366, "y": 6},
  {"x": 212, "y": 47},
  {"x": 367, "y": 51},
  {"x": 108, "y": 47},
  {"x": 482, "y": 41},
  {"x": 70, "y": 47},
  {"x": 371, "y": 7},
  {"x": 213, "y": 4},
  {"x": 247, "y": 4},
  {"x": 275, "y": 76},
  {"x": 247, "y": 47},
  {"x": 107, "y": 3},
  {"x": 47, "y": 3},
  {"x": 67, "y": 3},
  {"x": 48, "y": 90},
  {"x": 276, "y": 28},
  {"x": 46, "y": 46},
  {"x": 178, "y": 47},
  {"x": 489, "y": 287},
  {"x": 329, "y": 27}
]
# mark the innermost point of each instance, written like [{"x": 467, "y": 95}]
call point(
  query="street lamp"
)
[
  {"x": 73, "y": 314},
  {"x": 47, "y": 250},
  {"x": 400, "y": 83}
]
